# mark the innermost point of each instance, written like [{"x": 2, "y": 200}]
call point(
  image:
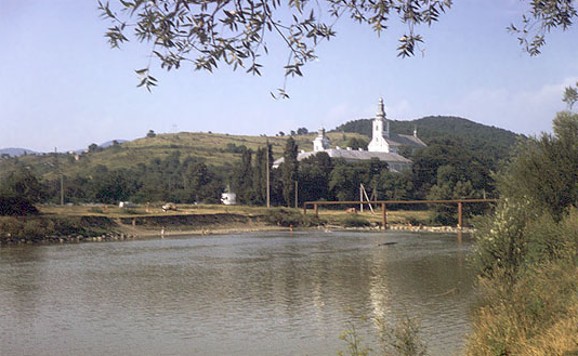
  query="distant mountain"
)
[{"x": 16, "y": 152}]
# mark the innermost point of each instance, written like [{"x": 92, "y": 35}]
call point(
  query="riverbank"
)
[{"x": 57, "y": 224}]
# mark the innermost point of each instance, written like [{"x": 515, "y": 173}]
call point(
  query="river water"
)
[{"x": 270, "y": 293}]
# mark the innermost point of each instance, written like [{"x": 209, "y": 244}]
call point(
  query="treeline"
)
[
  {"x": 443, "y": 170},
  {"x": 182, "y": 180}
]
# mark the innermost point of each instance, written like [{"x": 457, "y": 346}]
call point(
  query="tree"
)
[
  {"x": 394, "y": 186},
  {"x": 570, "y": 96},
  {"x": 243, "y": 178},
  {"x": 344, "y": 181},
  {"x": 314, "y": 177},
  {"x": 456, "y": 161},
  {"x": 235, "y": 33},
  {"x": 111, "y": 186},
  {"x": 23, "y": 183},
  {"x": 260, "y": 173},
  {"x": 543, "y": 169},
  {"x": 526, "y": 251},
  {"x": 543, "y": 16},
  {"x": 357, "y": 143},
  {"x": 16, "y": 206},
  {"x": 289, "y": 170}
]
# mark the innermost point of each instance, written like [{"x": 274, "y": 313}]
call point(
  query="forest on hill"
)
[
  {"x": 494, "y": 141},
  {"x": 197, "y": 167}
]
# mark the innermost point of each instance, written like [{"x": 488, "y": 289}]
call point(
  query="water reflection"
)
[{"x": 268, "y": 293}]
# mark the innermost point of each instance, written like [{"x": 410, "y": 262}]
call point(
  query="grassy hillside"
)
[
  {"x": 218, "y": 150},
  {"x": 223, "y": 150}
]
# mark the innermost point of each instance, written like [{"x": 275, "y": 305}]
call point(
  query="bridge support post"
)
[
  {"x": 384, "y": 215},
  {"x": 460, "y": 222}
]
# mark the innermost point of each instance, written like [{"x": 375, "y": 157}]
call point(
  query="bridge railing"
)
[{"x": 384, "y": 203}]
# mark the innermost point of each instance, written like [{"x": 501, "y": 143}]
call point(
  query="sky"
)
[{"x": 62, "y": 87}]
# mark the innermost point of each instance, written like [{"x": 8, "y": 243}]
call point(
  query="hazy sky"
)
[{"x": 62, "y": 86}]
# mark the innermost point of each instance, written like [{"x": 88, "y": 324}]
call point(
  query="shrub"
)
[
  {"x": 403, "y": 339},
  {"x": 355, "y": 221},
  {"x": 534, "y": 316},
  {"x": 529, "y": 283},
  {"x": 16, "y": 206},
  {"x": 289, "y": 217}
]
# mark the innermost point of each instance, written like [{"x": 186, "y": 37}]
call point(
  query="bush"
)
[
  {"x": 355, "y": 221},
  {"x": 535, "y": 316},
  {"x": 289, "y": 217},
  {"x": 16, "y": 206},
  {"x": 529, "y": 283},
  {"x": 402, "y": 339}
]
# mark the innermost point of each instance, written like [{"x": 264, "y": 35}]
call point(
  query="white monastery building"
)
[{"x": 384, "y": 145}]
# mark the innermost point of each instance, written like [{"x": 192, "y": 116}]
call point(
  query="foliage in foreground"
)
[
  {"x": 537, "y": 315},
  {"x": 236, "y": 33},
  {"x": 527, "y": 252},
  {"x": 529, "y": 281},
  {"x": 402, "y": 339}
]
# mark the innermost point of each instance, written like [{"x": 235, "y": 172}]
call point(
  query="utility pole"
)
[
  {"x": 268, "y": 178},
  {"x": 59, "y": 171}
]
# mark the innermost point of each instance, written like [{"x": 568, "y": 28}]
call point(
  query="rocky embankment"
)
[{"x": 72, "y": 229}]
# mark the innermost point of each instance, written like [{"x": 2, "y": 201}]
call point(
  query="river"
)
[{"x": 269, "y": 293}]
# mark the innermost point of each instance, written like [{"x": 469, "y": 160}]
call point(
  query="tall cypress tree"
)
[
  {"x": 259, "y": 176},
  {"x": 243, "y": 178},
  {"x": 289, "y": 170}
]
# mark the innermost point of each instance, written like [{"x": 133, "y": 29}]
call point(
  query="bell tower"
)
[{"x": 380, "y": 131}]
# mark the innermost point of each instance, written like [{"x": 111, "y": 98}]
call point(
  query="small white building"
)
[{"x": 229, "y": 198}]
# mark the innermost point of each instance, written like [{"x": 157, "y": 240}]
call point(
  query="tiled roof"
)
[
  {"x": 354, "y": 155},
  {"x": 405, "y": 140}
]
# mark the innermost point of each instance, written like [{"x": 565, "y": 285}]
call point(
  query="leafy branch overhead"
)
[
  {"x": 543, "y": 17},
  {"x": 236, "y": 33}
]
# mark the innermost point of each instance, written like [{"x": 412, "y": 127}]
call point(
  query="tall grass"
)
[
  {"x": 403, "y": 338},
  {"x": 529, "y": 285}
]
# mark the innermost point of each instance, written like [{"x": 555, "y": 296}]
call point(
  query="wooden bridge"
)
[{"x": 384, "y": 203}]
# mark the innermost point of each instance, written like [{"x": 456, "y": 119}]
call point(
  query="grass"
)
[
  {"x": 209, "y": 146},
  {"x": 211, "y": 216},
  {"x": 529, "y": 284},
  {"x": 401, "y": 339},
  {"x": 403, "y": 217},
  {"x": 330, "y": 216},
  {"x": 144, "y": 209},
  {"x": 536, "y": 316}
]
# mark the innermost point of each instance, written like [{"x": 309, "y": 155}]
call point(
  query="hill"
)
[
  {"x": 189, "y": 167},
  {"x": 224, "y": 150},
  {"x": 15, "y": 152},
  {"x": 494, "y": 141},
  {"x": 215, "y": 149}
]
